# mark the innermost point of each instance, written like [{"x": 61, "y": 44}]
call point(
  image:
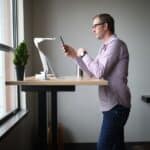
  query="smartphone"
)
[{"x": 62, "y": 41}]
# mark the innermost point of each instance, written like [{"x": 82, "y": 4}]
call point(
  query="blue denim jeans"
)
[{"x": 112, "y": 130}]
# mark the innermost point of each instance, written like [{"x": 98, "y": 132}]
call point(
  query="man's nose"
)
[{"x": 93, "y": 29}]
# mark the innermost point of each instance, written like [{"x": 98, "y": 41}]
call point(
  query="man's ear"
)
[{"x": 105, "y": 26}]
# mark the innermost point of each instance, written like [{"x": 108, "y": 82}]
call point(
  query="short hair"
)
[{"x": 107, "y": 18}]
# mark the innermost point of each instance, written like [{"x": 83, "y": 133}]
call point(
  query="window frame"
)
[{"x": 17, "y": 114}]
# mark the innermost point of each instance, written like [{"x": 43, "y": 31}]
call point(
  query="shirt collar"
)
[{"x": 113, "y": 37}]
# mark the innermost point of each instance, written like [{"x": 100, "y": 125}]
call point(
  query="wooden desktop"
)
[{"x": 52, "y": 85}]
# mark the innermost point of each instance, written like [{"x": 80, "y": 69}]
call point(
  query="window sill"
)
[{"x": 12, "y": 122}]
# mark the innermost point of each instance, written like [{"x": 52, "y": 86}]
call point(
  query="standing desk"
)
[{"x": 54, "y": 85}]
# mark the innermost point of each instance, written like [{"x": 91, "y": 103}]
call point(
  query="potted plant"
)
[{"x": 20, "y": 59}]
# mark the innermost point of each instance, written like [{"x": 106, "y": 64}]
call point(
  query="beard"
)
[{"x": 100, "y": 36}]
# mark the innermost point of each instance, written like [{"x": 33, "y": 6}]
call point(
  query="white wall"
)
[{"x": 79, "y": 111}]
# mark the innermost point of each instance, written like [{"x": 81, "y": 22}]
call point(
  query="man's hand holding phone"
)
[{"x": 68, "y": 50}]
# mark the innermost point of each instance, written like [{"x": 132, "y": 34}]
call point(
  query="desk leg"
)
[
  {"x": 54, "y": 119},
  {"x": 42, "y": 106},
  {"x": 43, "y": 122}
]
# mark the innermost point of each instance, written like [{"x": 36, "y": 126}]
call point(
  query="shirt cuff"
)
[{"x": 86, "y": 59}]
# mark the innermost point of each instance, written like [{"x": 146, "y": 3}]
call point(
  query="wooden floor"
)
[
  {"x": 91, "y": 146},
  {"x": 144, "y": 146}
]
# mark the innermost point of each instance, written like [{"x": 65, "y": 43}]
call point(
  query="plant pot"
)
[{"x": 20, "y": 72}]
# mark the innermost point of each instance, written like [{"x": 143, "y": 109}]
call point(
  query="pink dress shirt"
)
[{"x": 111, "y": 63}]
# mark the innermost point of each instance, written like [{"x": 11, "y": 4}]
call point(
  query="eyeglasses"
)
[{"x": 98, "y": 24}]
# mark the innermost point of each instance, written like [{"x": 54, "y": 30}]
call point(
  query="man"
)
[{"x": 111, "y": 63}]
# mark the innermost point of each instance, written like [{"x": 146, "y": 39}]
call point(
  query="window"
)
[{"x": 8, "y": 35}]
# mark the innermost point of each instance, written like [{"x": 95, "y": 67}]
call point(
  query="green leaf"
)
[{"x": 21, "y": 54}]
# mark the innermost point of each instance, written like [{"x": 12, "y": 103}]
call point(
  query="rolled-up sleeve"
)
[
  {"x": 104, "y": 62},
  {"x": 83, "y": 66}
]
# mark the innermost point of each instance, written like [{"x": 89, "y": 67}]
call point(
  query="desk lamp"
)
[{"x": 45, "y": 63}]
